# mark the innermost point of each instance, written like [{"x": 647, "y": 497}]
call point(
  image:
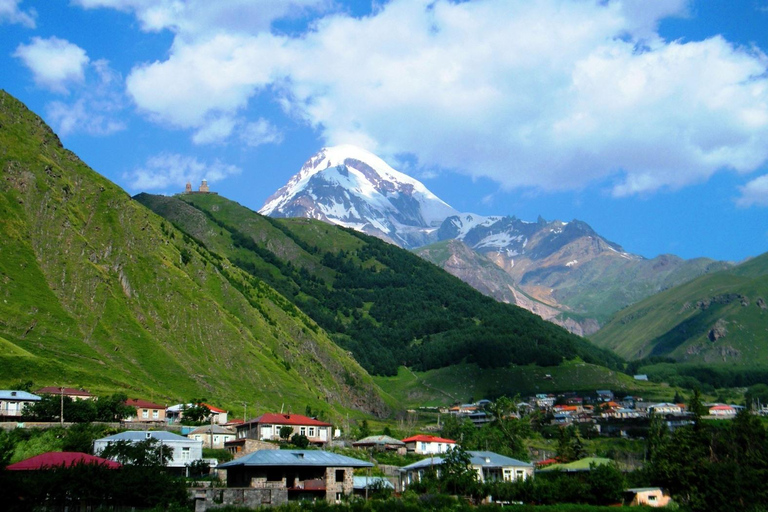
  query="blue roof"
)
[
  {"x": 482, "y": 459},
  {"x": 12, "y": 394},
  {"x": 361, "y": 482},
  {"x": 141, "y": 435},
  {"x": 296, "y": 458}
]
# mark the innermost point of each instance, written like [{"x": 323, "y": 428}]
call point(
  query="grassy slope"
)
[
  {"x": 306, "y": 244},
  {"x": 98, "y": 291},
  {"x": 678, "y": 321}
]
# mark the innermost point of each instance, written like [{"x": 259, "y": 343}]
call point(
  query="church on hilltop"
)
[{"x": 202, "y": 190}]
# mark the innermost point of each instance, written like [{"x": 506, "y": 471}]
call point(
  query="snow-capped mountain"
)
[
  {"x": 354, "y": 188},
  {"x": 562, "y": 271}
]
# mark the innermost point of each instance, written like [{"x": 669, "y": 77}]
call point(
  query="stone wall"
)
[{"x": 211, "y": 499}]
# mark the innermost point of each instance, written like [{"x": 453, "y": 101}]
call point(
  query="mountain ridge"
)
[{"x": 564, "y": 271}]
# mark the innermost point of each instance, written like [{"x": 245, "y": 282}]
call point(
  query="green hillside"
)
[
  {"x": 385, "y": 305},
  {"x": 98, "y": 291},
  {"x": 719, "y": 318}
]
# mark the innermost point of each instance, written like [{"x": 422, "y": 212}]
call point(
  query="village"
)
[{"x": 278, "y": 457}]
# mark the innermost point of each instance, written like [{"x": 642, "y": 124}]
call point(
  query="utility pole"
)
[{"x": 61, "y": 412}]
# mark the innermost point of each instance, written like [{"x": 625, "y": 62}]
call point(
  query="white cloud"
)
[
  {"x": 96, "y": 108},
  {"x": 174, "y": 170},
  {"x": 754, "y": 193},
  {"x": 195, "y": 18},
  {"x": 216, "y": 130},
  {"x": 10, "y": 13},
  {"x": 553, "y": 94},
  {"x": 55, "y": 63},
  {"x": 260, "y": 132}
]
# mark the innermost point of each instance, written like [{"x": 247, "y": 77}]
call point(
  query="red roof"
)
[
  {"x": 66, "y": 459},
  {"x": 274, "y": 418},
  {"x": 214, "y": 409},
  {"x": 425, "y": 438},
  {"x": 54, "y": 390},
  {"x": 143, "y": 404}
]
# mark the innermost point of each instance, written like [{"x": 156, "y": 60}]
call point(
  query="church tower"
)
[
  {"x": 188, "y": 188},
  {"x": 204, "y": 186}
]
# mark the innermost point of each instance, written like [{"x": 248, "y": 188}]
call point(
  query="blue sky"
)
[{"x": 647, "y": 119}]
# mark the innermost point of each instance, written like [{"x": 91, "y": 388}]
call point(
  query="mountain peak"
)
[{"x": 352, "y": 187}]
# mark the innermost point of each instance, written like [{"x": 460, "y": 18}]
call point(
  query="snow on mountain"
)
[{"x": 354, "y": 188}]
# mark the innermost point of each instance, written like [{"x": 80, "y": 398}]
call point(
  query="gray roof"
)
[
  {"x": 481, "y": 459},
  {"x": 217, "y": 429},
  {"x": 361, "y": 482},
  {"x": 141, "y": 435},
  {"x": 379, "y": 440},
  {"x": 12, "y": 394},
  {"x": 296, "y": 458}
]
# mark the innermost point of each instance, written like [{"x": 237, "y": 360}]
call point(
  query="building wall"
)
[{"x": 238, "y": 497}]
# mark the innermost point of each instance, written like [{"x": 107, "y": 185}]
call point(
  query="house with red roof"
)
[
  {"x": 60, "y": 459},
  {"x": 267, "y": 428},
  {"x": 146, "y": 412},
  {"x": 722, "y": 411},
  {"x": 73, "y": 393},
  {"x": 425, "y": 444}
]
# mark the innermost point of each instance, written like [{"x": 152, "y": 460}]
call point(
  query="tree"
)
[
  {"x": 300, "y": 440},
  {"x": 606, "y": 483},
  {"x": 146, "y": 453},
  {"x": 113, "y": 407},
  {"x": 285, "y": 432},
  {"x": 196, "y": 413},
  {"x": 456, "y": 472}
]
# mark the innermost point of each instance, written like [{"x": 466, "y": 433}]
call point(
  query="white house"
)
[
  {"x": 267, "y": 428},
  {"x": 722, "y": 411},
  {"x": 184, "y": 451},
  {"x": 665, "y": 408},
  {"x": 12, "y": 402},
  {"x": 424, "y": 444},
  {"x": 490, "y": 467}
]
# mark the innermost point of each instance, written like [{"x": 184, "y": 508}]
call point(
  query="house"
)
[
  {"x": 146, "y": 412},
  {"x": 267, "y": 428},
  {"x": 381, "y": 443},
  {"x": 646, "y": 496},
  {"x": 665, "y": 408},
  {"x": 61, "y": 459},
  {"x": 424, "y": 444},
  {"x": 722, "y": 411},
  {"x": 295, "y": 474},
  {"x": 490, "y": 467},
  {"x": 73, "y": 393},
  {"x": 241, "y": 447},
  {"x": 361, "y": 484},
  {"x": 175, "y": 413},
  {"x": 604, "y": 395},
  {"x": 13, "y": 403},
  {"x": 184, "y": 451},
  {"x": 212, "y": 436}
]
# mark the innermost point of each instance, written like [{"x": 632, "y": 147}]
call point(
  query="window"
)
[
  {"x": 303, "y": 431},
  {"x": 423, "y": 446},
  {"x": 339, "y": 475},
  {"x": 519, "y": 474},
  {"x": 651, "y": 498},
  {"x": 144, "y": 413},
  {"x": 185, "y": 453},
  {"x": 155, "y": 414},
  {"x": 507, "y": 475},
  {"x": 311, "y": 431}
]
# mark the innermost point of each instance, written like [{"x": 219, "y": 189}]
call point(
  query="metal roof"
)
[
  {"x": 481, "y": 459},
  {"x": 54, "y": 459},
  {"x": 295, "y": 458},
  {"x": 141, "y": 435},
  {"x": 214, "y": 429},
  {"x": 12, "y": 394},
  {"x": 361, "y": 482},
  {"x": 381, "y": 439}
]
